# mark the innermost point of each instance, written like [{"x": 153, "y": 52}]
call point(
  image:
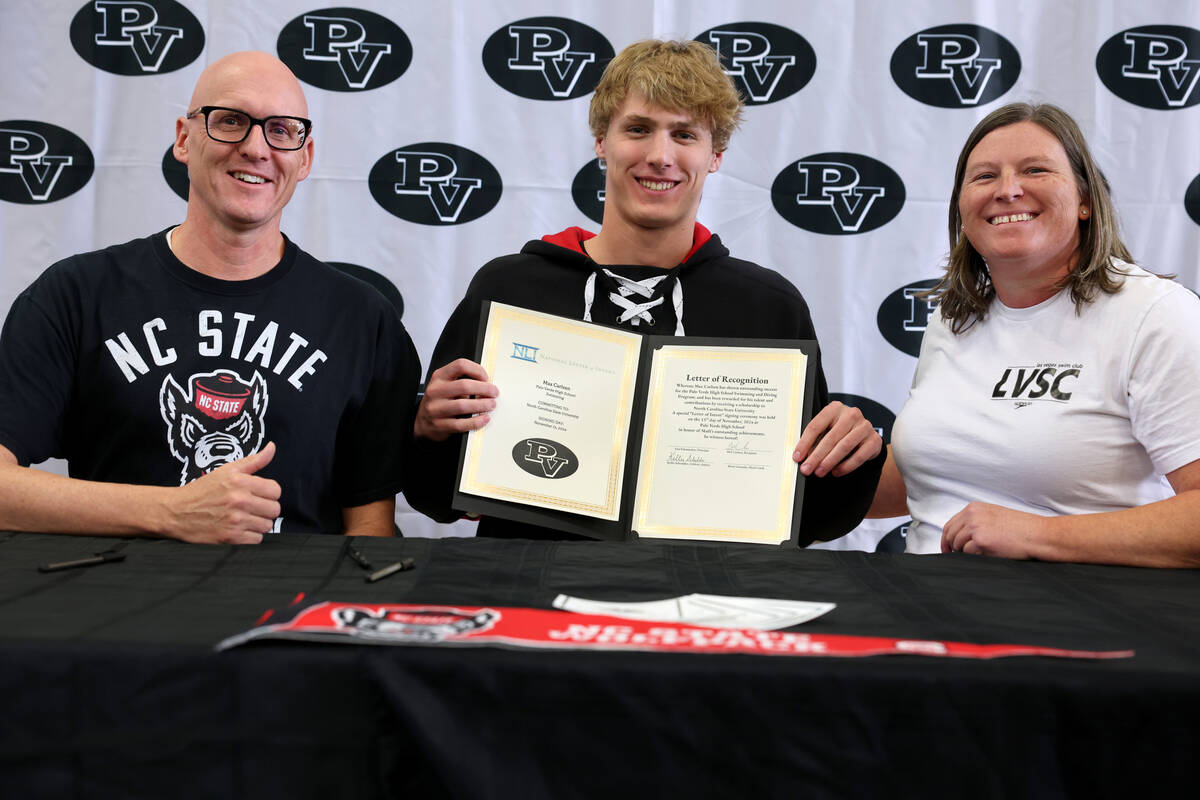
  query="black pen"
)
[
  {"x": 357, "y": 557},
  {"x": 391, "y": 569},
  {"x": 107, "y": 557}
]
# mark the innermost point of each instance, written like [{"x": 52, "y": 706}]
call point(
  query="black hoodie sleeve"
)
[
  {"x": 833, "y": 506},
  {"x": 432, "y": 467}
]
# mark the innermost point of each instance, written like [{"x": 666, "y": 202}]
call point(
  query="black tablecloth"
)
[{"x": 111, "y": 687}]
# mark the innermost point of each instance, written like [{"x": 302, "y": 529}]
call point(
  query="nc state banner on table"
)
[{"x": 499, "y": 626}]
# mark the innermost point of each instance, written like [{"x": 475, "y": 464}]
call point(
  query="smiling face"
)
[
  {"x": 656, "y": 163},
  {"x": 1021, "y": 208},
  {"x": 242, "y": 187}
]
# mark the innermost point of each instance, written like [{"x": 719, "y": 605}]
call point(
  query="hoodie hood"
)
[
  {"x": 643, "y": 298},
  {"x": 573, "y": 238}
]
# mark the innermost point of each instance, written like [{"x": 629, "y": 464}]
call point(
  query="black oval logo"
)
[
  {"x": 767, "y": 62},
  {"x": 877, "y": 413},
  {"x": 587, "y": 190},
  {"x": 903, "y": 316},
  {"x": 1154, "y": 66},
  {"x": 894, "y": 540},
  {"x": 1191, "y": 199},
  {"x": 136, "y": 37},
  {"x": 547, "y": 58},
  {"x": 377, "y": 280},
  {"x": 175, "y": 174},
  {"x": 41, "y": 163},
  {"x": 955, "y": 66},
  {"x": 838, "y": 193},
  {"x": 544, "y": 458},
  {"x": 344, "y": 49},
  {"x": 434, "y": 183}
]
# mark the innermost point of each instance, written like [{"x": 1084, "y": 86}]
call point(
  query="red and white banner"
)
[{"x": 361, "y": 623}]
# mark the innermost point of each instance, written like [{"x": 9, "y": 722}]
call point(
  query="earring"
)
[{"x": 1083, "y": 212}]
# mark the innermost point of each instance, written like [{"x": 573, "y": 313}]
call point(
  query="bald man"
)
[{"x": 211, "y": 382}]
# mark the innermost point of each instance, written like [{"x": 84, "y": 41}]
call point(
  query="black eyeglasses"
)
[{"x": 232, "y": 126}]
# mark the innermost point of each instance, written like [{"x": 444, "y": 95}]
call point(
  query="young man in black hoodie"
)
[{"x": 662, "y": 116}]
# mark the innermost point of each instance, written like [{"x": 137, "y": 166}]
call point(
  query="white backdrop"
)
[{"x": 852, "y": 107}]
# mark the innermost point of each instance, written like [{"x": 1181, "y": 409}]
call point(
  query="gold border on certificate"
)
[
  {"x": 488, "y": 470},
  {"x": 781, "y": 496}
]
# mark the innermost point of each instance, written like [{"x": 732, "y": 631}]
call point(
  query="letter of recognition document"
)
[
  {"x": 611, "y": 434},
  {"x": 717, "y": 444}
]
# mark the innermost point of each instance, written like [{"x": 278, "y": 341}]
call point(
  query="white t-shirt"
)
[{"x": 1051, "y": 412}]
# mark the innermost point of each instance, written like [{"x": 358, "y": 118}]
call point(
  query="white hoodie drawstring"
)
[{"x": 634, "y": 312}]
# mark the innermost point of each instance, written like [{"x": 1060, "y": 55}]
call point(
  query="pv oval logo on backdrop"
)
[
  {"x": 955, "y": 66},
  {"x": 547, "y": 58},
  {"x": 544, "y": 458},
  {"x": 767, "y": 62},
  {"x": 377, "y": 280},
  {"x": 587, "y": 190},
  {"x": 1154, "y": 66},
  {"x": 904, "y": 314},
  {"x": 175, "y": 173},
  {"x": 894, "y": 541},
  {"x": 1191, "y": 199},
  {"x": 344, "y": 49},
  {"x": 136, "y": 37},
  {"x": 435, "y": 183},
  {"x": 41, "y": 163},
  {"x": 838, "y": 193}
]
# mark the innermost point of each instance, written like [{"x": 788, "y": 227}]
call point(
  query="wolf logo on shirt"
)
[{"x": 220, "y": 419}]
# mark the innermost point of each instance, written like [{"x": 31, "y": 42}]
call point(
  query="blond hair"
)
[{"x": 681, "y": 76}]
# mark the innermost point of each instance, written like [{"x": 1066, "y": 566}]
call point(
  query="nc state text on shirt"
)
[{"x": 213, "y": 333}]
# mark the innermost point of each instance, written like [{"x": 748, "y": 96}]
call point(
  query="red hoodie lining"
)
[{"x": 572, "y": 239}]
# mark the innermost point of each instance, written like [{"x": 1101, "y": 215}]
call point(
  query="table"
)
[{"x": 112, "y": 689}]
